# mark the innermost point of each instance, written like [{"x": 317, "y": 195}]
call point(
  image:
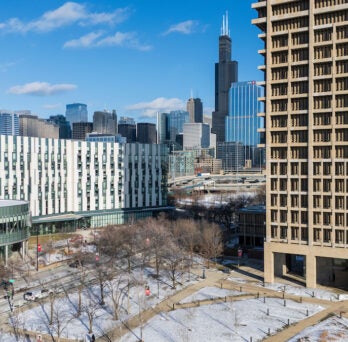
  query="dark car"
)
[{"x": 76, "y": 264}]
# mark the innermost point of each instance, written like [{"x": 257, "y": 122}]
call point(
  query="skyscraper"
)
[
  {"x": 127, "y": 129},
  {"x": 32, "y": 126},
  {"x": 105, "y": 122},
  {"x": 306, "y": 112},
  {"x": 76, "y": 112},
  {"x": 226, "y": 72},
  {"x": 242, "y": 122},
  {"x": 9, "y": 123},
  {"x": 163, "y": 135},
  {"x": 146, "y": 133},
  {"x": 196, "y": 135},
  {"x": 195, "y": 109},
  {"x": 177, "y": 118},
  {"x": 81, "y": 129},
  {"x": 64, "y": 125}
]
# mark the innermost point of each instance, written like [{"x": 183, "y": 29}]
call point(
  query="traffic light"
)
[{"x": 39, "y": 248}]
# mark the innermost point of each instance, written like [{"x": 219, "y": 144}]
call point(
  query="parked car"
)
[
  {"x": 46, "y": 292},
  {"x": 76, "y": 264},
  {"x": 31, "y": 295}
]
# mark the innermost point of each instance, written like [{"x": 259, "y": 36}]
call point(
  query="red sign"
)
[
  {"x": 147, "y": 290},
  {"x": 39, "y": 248},
  {"x": 240, "y": 253}
]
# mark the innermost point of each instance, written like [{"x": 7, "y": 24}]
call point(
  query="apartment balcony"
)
[
  {"x": 261, "y": 145},
  {"x": 327, "y": 9},
  {"x": 261, "y": 115},
  {"x": 261, "y": 23},
  {"x": 262, "y": 36},
  {"x": 261, "y": 83},
  {"x": 262, "y": 67},
  {"x": 262, "y": 52},
  {"x": 260, "y": 4},
  {"x": 261, "y": 99},
  {"x": 261, "y": 130}
]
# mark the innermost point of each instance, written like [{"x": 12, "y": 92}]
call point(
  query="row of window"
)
[{"x": 338, "y": 236}]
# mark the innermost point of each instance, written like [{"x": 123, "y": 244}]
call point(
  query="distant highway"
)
[{"x": 235, "y": 181}]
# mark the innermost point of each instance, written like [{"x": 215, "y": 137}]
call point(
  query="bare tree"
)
[
  {"x": 187, "y": 233},
  {"x": 90, "y": 309},
  {"x": 157, "y": 238},
  {"x": 18, "y": 323},
  {"x": 117, "y": 288},
  {"x": 212, "y": 245},
  {"x": 103, "y": 274},
  {"x": 60, "y": 321},
  {"x": 173, "y": 259}
]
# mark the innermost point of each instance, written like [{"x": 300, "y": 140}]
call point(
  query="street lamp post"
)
[{"x": 37, "y": 248}]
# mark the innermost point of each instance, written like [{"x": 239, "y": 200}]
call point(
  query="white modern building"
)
[
  {"x": 77, "y": 183},
  {"x": 196, "y": 135}
]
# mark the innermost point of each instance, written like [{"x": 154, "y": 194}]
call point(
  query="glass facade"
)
[
  {"x": 76, "y": 112},
  {"x": 177, "y": 118},
  {"x": 9, "y": 123},
  {"x": 242, "y": 122},
  {"x": 14, "y": 224}
]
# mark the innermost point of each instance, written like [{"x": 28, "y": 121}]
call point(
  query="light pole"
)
[{"x": 37, "y": 248}]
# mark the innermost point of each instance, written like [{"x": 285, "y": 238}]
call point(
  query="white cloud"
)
[
  {"x": 185, "y": 27},
  {"x": 95, "y": 39},
  {"x": 41, "y": 89},
  {"x": 160, "y": 104},
  {"x": 87, "y": 40},
  {"x": 67, "y": 14},
  {"x": 5, "y": 66}
]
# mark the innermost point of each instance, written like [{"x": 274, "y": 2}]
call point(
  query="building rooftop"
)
[
  {"x": 8, "y": 203},
  {"x": 254, "y": 208}
]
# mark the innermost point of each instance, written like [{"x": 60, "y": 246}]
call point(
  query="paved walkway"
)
[
  {"x": 213, "y": 278},
  {"x": 217, "y": 278},
  {"x": 252, "y": 288}
]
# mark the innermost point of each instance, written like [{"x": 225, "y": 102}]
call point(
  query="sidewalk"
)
[{"x": 213, "y": 278}]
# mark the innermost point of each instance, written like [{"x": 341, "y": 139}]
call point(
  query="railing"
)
[{"x": 9, "y": 238}]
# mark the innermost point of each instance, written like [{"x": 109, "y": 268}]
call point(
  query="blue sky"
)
[{"x": 135, "y": 56}]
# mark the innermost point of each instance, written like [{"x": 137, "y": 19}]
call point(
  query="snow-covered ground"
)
[
  {"x": 210, "y": 293},
  {"x": 65, "y": 308},
  {"x": 332, "y": 329},
  {"x": 231, "y": 321}
]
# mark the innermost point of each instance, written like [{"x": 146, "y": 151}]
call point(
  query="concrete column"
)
[
  {"x": 6, "y": 255},
  {"x": 280, "y": 268},
  {"x": 23, "y": 251},
  {"x": 268, "y": 265},
  {"x": 311, "y": 271}
]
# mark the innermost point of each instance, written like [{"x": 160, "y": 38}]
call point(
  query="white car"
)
[
  {"x": 34, "y": 295},
  {"x": 31, "y": 295}
]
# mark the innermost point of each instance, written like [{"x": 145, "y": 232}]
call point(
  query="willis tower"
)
[{"x": 226, "y": 72}]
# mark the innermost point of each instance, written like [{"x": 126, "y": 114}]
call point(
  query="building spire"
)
[{"x": 224, "y": 28}]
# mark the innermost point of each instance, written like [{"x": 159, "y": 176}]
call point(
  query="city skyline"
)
[{"x": 134, "y": 57}]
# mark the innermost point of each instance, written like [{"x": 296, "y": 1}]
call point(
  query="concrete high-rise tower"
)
[
  {"x": 195, "y": 109},
  {"x": 226, "y": 72},
  {"x": 306, "y": 125}
]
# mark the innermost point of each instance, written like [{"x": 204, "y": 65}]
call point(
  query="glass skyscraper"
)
[
  {"x": 242, "y": 122},
  {"x": 76, "y": 112},
  {"x": 177, "y": 118},
  {"x": 9, "y": 123}
]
